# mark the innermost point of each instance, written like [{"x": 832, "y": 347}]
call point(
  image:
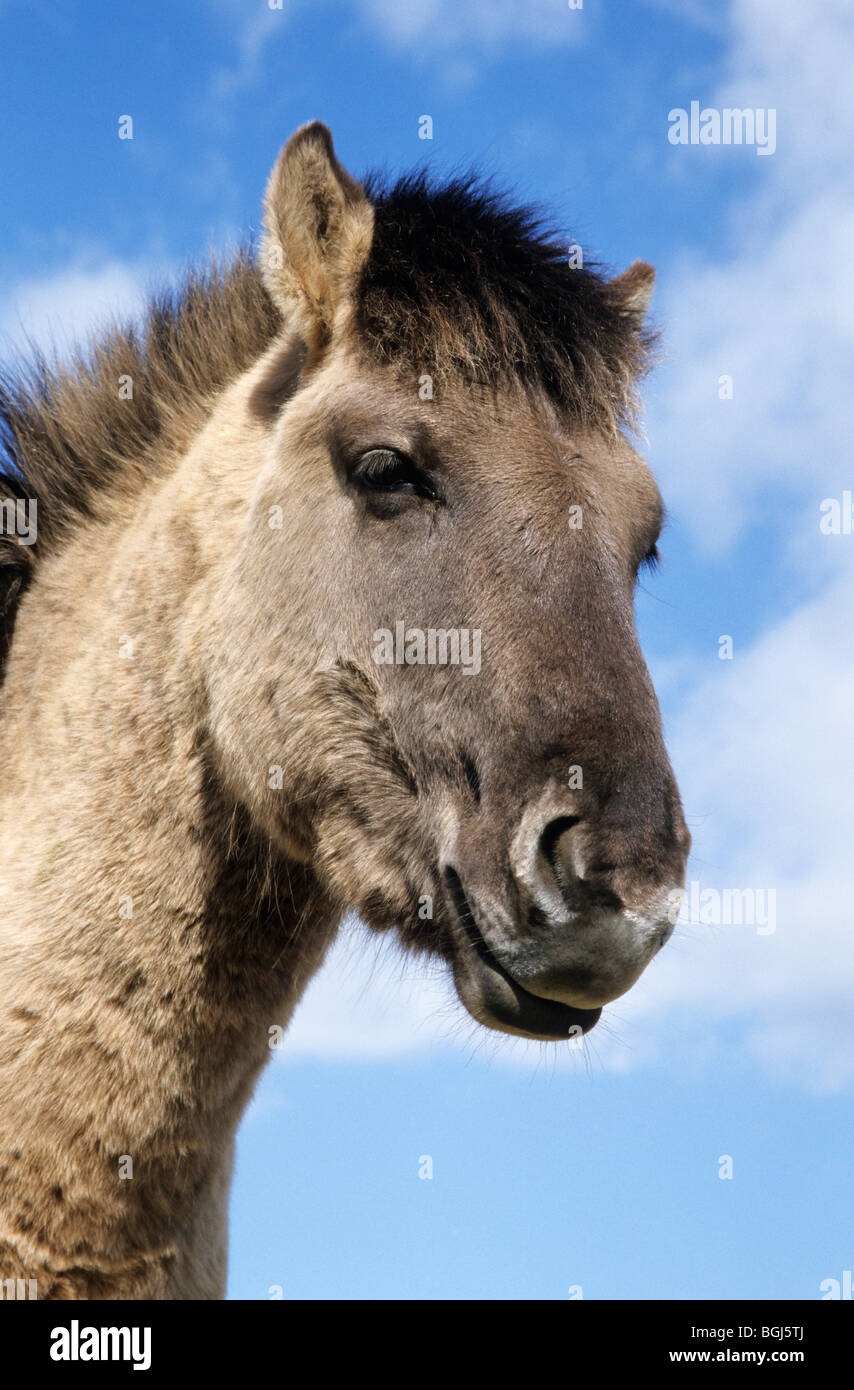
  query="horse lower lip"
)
[
  {"x": 509, "y": 1005},
  {"x": 505, "y": 1004}
]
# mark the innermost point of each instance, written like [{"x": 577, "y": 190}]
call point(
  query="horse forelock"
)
[{"x": 460, "y": 280}]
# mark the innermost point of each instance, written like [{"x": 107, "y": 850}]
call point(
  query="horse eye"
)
[{"x": 386, "y": 470}]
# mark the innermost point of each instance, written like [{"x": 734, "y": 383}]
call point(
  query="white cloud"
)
[
  {"x": 797, "y": 58},
  {"x": 763, "y": 744},
  {"x": 777, "y": 316},
  {"x": 253, "y": 27},
  {"x": 60, "y": 309},
  {"x": 481, "y": 25},
  {"x": 767, "y": 767},
  {"x": 369, "y": 1000},
  {"x": 774, "y": 309},
  {"x": 458, "y": 31}
]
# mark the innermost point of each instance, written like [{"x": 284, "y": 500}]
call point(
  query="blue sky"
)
[{"x": 596, "y": 1169}]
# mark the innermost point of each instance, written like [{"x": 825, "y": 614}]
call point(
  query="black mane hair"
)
[{"x": 461, "y": 279}]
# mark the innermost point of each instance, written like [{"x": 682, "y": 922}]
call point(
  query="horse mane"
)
[
  {"x": 69, "y": 436},
  {"x": 458, "y": 279}
]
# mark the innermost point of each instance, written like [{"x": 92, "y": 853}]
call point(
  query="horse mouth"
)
[{"x": 494, "y": 998}]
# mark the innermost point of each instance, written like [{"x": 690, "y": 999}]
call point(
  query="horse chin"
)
[{"x": 496, "y": 1000}]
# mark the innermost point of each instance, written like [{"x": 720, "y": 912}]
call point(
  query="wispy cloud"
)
[
  {"x": 774, "y": 310},
  {"x": 764, "y": 757},
  {"x": 484, "y": 26},
  {"x": 253, "y": 27},
  {"x": 64, "y": 307},
  {"x": 766, "y": 766},
  {"x": 461, "y": 33},
  {"x": 369, "y": 1000}
]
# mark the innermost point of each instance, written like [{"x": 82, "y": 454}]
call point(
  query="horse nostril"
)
[
  {"x": 579, "y": 882},
  {"x": 578, "y": 867},
  {"x": 559, "y": 847},
  {"x": 553, "y": 848}
]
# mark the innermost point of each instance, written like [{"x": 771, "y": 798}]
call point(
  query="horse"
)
[{"x": 324, "y": 604}]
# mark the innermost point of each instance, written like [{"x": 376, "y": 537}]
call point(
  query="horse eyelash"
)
[{"x": 652, "y": 559}]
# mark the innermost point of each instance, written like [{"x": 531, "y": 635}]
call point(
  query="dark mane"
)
[
  {"x": 458, "y": 280},
  {"x": 461, "y": 279}
]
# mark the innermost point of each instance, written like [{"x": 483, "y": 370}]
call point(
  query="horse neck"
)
[{"x": 151, "y": 938}]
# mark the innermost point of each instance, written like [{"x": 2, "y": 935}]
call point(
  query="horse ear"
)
[
  {"x": 631, "y": 291},
  {"x": 318, "y": 227}
]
